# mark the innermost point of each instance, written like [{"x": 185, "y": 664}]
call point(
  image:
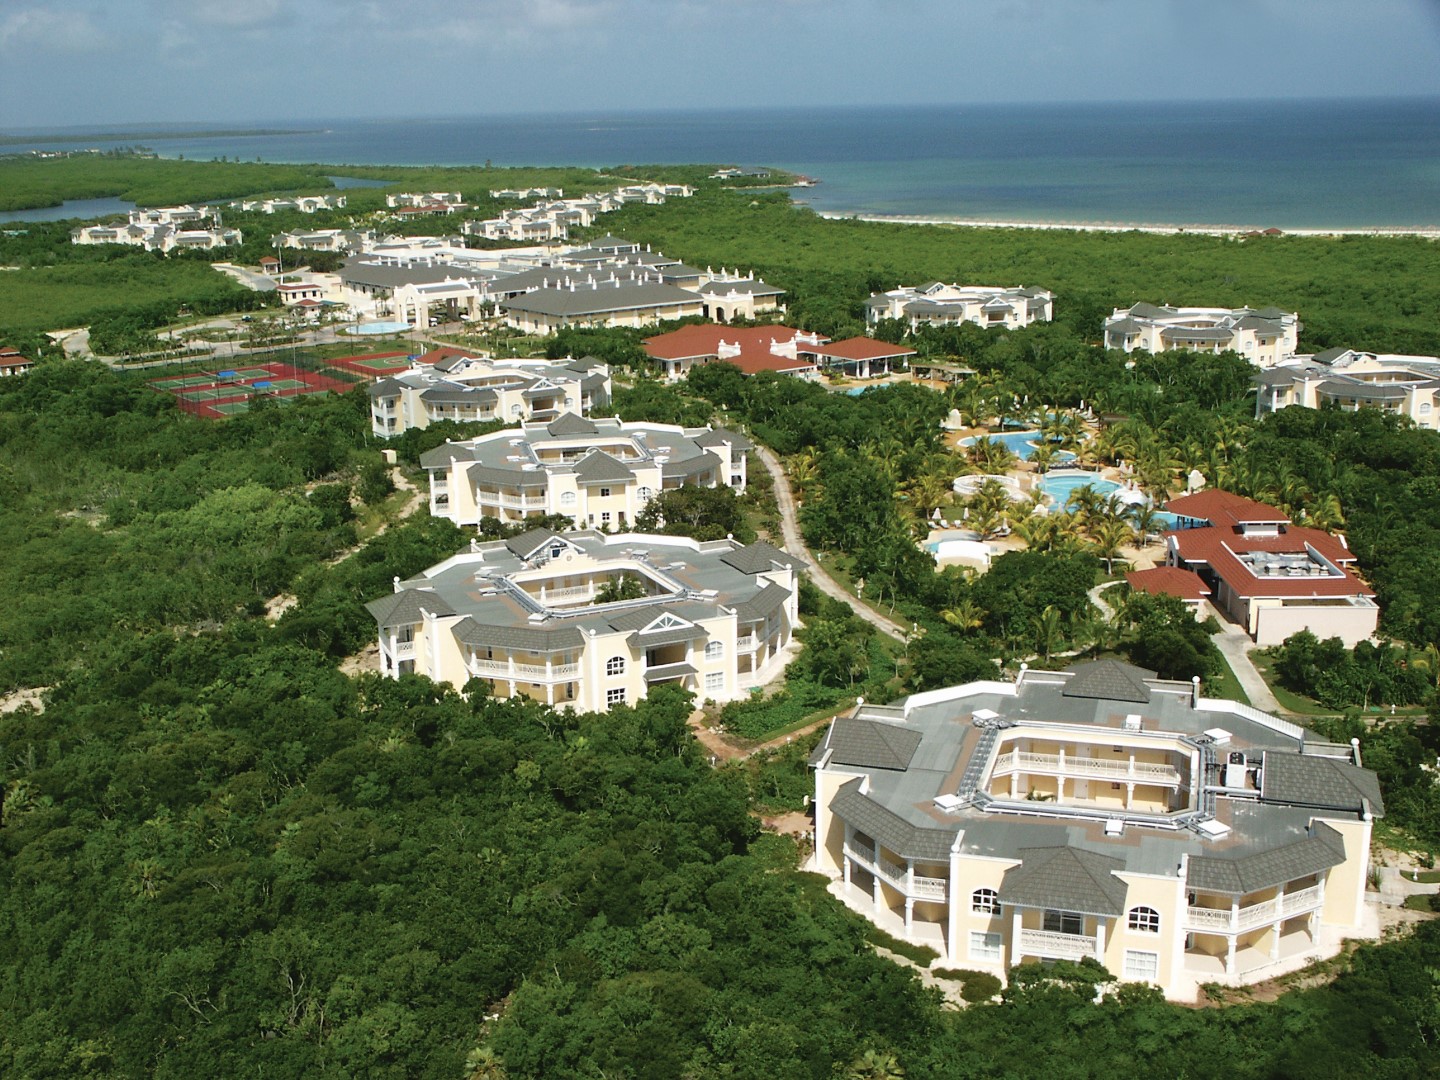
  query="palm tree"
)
[
  {"x": 965, "y": 615},
  {"x": 874, "y": 1065},
  {"x": 1048, "y": 636},
  {"x": 1085, "y": 500},
  {"x": 1043, "y": 456},
  {"x": 1108, "y": 538},
  {"x": 804, "y": 472},
  {"x": 1144, "y": 517},
  {"x": 1326, "y": 513}
]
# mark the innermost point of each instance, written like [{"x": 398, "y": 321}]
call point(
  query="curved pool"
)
[
  {"x": 1020, "y": 443},
  {"x": 366, "y": 329}
]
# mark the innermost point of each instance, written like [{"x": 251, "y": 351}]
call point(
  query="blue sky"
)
[{"x": 81, "y": 62}]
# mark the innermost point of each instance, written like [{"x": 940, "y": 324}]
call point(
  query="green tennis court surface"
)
[
  {"x": 209, "y": 395},
  {"x": 286, "y": 384},
  {"x": 179, "y": 382},
  {"x": 380, "y": 363},
  {"x": 251, "y": 373},
  {"x": 230, "y": 408}
]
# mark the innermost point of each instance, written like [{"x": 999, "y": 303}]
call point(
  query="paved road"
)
[{"x": 795, "y": 544}]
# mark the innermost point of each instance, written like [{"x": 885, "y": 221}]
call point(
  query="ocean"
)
[{"x": 1288, "y": 164}]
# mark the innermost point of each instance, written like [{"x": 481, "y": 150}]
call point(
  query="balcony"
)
[
  {"x": 515, "y": 502},
  {"x": 921, "y": 888},
  {"x": 524, "y": 672},
  {"x": 404, "y": 649},
  {"x": 1229, "y": 921},
  {"x": 1055, "y": 946},
  {"x": 1138, "y": 772},
  {"x": 748, "y": 643}
]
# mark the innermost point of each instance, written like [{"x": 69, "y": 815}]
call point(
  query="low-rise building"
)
[
  {"x": 1352, "y": 380},
  {"x": 938, "y": 304},
  {"x": 861, "y": 357},
  {"x": 1270, "y": 576},
  {"x": 752, "y": 349},
  {"x": 426, "y": 202},
  {"x": 619, "y": 299},
  {"x": 300, "y": 204},
  {"x": 162, "y": 229},
  {"x": 530, "y": 617},
  {"x": 1264, "y": 336},
  {"x": 12, "y": 363},
  {"x": 1097, "y": 813},
  {"x": 450, "y": 384},
  {"x": 339, "y": 240},
  {"x": 600, "y": 473}
]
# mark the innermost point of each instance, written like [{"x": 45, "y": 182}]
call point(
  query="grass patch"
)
[
  {"x": 1225, "y": 685},
  {"x": 1426, "y": 877},
  {"x": 1429, "y": 902}
]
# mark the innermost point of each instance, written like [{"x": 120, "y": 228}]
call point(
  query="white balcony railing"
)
[
  {"x": 1048, "y": 943},
  {"x": 404, "y": 648},
  {"x": 931, "y": 888},
  {"x": 748, "y": 643},
  {"x": 528, "y": 672},
  {"x": 857, "y": 850},
  {"x": 924, "y": 888},
  {"x": 1141, "y": 772},
  {"x": 1228, "y": 921}
]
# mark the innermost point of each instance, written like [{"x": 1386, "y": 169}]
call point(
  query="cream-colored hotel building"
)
[{"x": 1097, "y": 812}]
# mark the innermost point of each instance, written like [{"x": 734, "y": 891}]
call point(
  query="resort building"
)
[
  {"x": 1099, "y": 813},
  {"x": 531, "y": 616},
  {"x": 425, "y": 203},
  {"x": 861, "y": 357},
  {"x": 937, "y": 304},
  {"x": 636, "y": 298},
  {"x": 12, "y": 363},
  {"x": 599, "y": 473},
  {"x": 1351, "y": 380},
  {"x": 1264, "y": 336},
  {"x": 300, "y": 204},
  {"x": 1271, "y": 577},
  {"x": 153, "y": 236},
  {"x": 341, "y": 240},
  {"x": 753, "y": 349},
  {"x": 729, "y": 295},
  {"x": 449, "y": 384}
]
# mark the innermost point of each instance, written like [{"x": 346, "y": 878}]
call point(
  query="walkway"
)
[
  {"x": 795, "y": 544},
  {"x": 1235, "y": 645}
]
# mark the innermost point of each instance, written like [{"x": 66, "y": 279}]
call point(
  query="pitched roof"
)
[
  {"x": 703, "y": 339},
  {"x": 405, "y": 608},
  {"x": 721, "y": 436},
  {"x": 1321, "y": 782},
  {"x": 1108, "y": 680},
  {"x": 1065, "y": 879},
  {"x": 884, "y": 825},
  {"x": 598, "y": 467},
  {"x": 529, "y": 638},
  {"x": 571, "y": 424},
  {"x": 762, "y": 603},
  {"x": 1266, "y": 869},
  {"x": 861, "y": 348},
  {"x": 1220, "y": 507},
  {"x": 869, "y": 744},
  {"x": 601, "y": 298},
  {"x": 1168, "y": 581},
  {"x": 532, "y": 540},
  {"x": 759, "y": 557}
]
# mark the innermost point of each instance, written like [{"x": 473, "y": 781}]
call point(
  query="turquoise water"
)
[
  {"x": 86, "y": 209},
  {"x": 1289, "y": 164},
  {"x": 1021, "y": 444},
  {"x": 367, "y": 329},
  {"x": 1060, "y": 488}
]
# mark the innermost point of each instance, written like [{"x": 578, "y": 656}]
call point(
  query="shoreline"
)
[{"x": 1428, "y": 231}]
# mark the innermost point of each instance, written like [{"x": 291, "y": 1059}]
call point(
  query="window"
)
[
  {"x": 1425, "y": 406},
  {"x": 567, "y": 498},
  {"x": 615, "y": 697},
  {"x": 714, "y": 650},
  {"x": 1142, "y": 966},
  {"x": 985, "y": 902},
  {"x": 605, "y": 517},
  {"x": 615, "y": 665},
  {"x": 514, "y": 410},
  {"x": 986, "y": 946},
  {"x": 1145, "y": 919},
  {"x": 604, "y": 493},
  {"x": 715, "y": 682},
  {"x": 1064, "y": 922},
  {"x": 645, "y": 494}
]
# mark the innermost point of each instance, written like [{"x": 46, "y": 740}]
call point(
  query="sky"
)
[{"x": 225, "y": 62}]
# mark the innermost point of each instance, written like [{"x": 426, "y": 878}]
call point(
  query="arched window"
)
[
  {"x": 644, "y": 494},
  {"x": 1145, "y": 919},
  {"x": 714, "y": 650},
  {"x": 615, "y": 665},
  {"x": 567, "y": 498},
  {"x": 985, "y": 902}
]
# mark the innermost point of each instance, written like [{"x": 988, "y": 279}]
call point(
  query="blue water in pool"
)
[
  {"x": 1021, "y": 444},
  {"x": 367, "y": 329},
  {"x": 1060, "y": 487}
]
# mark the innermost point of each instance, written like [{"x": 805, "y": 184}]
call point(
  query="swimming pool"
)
[
  {"x": 1059, "y": 486},
  {"x": 378, "y": 328},
  {"x": 1022, "y": 444}
]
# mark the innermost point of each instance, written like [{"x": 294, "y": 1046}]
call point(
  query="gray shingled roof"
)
[
  {"x": 762, "y": 603},
  {"x": 449, "y": 394},
  {"x": 527, "y": 543},
  {"x": 386, "y": 388},
  {"x": 869, "y": 744},
  {"x": 404, "y": 608},
  {"x": 1319, "y": 782},
  {"x": 598, "y": 467},
  {"x": 1362, "y": 391},
  {"x": 694, "y": 465},
  {"x": 1108, "y": 680},
  {"x": 759, "y": 557},
  {"x": 669, "y": 671},
  {"x": 571, "y": 424},
  {"x": 443, "y": 456},
  {"x": 721, "y": 436},
  {"x": 1065, "y": 879},
  {"x": 869, "y": 817},
  {"x": 1123, "y": 326},
  {"x": 1329, "y": 356},
  {"x": 673, "y": 636},
  {"x": 600, "y": 299},
  {"x": 534, "y": 478},
  {"x": 1266, "y": 869},
  {"x": 532, "y": 639}
]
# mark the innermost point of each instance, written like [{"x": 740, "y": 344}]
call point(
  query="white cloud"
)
[{"x": 48, "y": 30}]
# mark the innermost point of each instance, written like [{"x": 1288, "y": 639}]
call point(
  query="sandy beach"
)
[{"x": 1427, "y": 231}]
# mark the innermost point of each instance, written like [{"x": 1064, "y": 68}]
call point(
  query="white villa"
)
[
  {"x": 525, "y": 616},
  {"x": 156, "y": 237},
  {"x": 449, "y": 384},
  {"x": 1264, "y": 336},
  {"x": 938, "y": 304},
  {"x": 1351, "y": 380},
  {"x": 1098, "y": 812},
  {"x": 427, "y": 202},
  {"x": 600, "y": 473},
  {"x": 304, "y": 204}
]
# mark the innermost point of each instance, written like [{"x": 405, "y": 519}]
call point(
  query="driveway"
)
[{"x": 1235, "y": 644}]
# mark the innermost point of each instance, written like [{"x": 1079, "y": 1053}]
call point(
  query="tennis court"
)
[
  {"x": 230, "y": 408},
  {"x": 283, "y": 384},
  {"x": 180, "y": 382},
  {"x": 212, "y": 394},
  {"x": 229, "y": 390},
  {"x": 241, "y": 374},
  {"x": 386, "y": 363}
]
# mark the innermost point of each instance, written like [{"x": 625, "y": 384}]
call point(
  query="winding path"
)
[{"x": 795, "y": 544}]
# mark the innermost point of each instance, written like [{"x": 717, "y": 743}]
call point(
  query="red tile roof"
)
[
  {"x": 752, "y": 362},
  {"x": 1169, "y": 581},
  {"x": 1224, "y": 508},
  {"x": 703, "y": 339},
  {"x": 11, "y": 358},
  {"x": 1220, "y": 547},
  {"x": 444, "y": 352},
  {"x": 861, "y": 348}
]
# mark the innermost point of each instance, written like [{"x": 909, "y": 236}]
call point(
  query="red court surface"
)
[{"x": 372, "y": 365}]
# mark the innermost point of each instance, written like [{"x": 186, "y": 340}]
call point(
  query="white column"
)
[
  {"x": 1017, "y": 920},
  {"x": 845, "y": 856},
  {"x": 952, "y": 899},
  {"x": 1100, "y": 939},
  {"x": 909, "y": 913},
  {"x": 876, "y": 889}
]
